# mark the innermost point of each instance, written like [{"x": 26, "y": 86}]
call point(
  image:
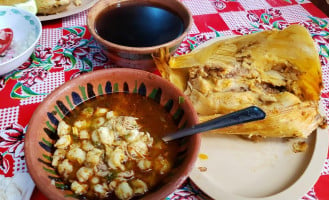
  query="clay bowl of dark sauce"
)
[{"x": 132, "y": 32}]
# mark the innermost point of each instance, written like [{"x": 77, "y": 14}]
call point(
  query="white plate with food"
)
[
  {"x": 71, "y": 9},
  {"x": 230, "y": 167},
  {"x": 263, "y": 69},
  {"x": 234, "y": 167},
  {"x": 25, "y": 29}
]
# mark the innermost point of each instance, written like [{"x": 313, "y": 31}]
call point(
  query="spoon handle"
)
[{"x": 249, "y": 114}]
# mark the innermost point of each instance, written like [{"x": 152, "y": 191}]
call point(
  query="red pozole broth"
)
[{"x": 152, "y": 118}]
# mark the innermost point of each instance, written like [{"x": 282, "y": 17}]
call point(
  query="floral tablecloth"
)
[{"x": 66, "y": 50}]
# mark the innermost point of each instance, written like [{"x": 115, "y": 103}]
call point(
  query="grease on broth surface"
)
[{"x": 111, "y": 147}]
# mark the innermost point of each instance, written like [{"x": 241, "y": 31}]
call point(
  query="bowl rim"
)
[
  {"x": 83, "y": 79},
  {"x": 32, "y": 46},
  {"x": 91, "y": 26}
]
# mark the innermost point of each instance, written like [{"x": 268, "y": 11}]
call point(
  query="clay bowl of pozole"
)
[{"x": 98, "y": 136}]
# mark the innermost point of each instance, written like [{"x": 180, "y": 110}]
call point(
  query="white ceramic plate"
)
[
  {"x": 71, "y": 10},
  {"x": 240, "y": 169}
]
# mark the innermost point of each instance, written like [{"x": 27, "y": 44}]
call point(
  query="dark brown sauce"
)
[
  {"x": 139, "y": 25},
  {"x": 151, "y": 117}
]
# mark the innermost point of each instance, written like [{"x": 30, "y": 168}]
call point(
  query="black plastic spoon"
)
[{"x": 249, "y": 114}]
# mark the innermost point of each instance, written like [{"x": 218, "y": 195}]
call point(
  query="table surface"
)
[{"x": 66, "y": 50}]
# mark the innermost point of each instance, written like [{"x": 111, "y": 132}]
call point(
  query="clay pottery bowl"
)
[
  {"x": 42, "y": 129},
  {"x": 127, "y": 51}
]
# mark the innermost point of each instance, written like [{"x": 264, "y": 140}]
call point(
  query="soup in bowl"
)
[
  {"x": 131, "y": 32},
  {"x": 99, "y": 137}
]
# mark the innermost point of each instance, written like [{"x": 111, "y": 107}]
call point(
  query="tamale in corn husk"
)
[{"x": 279, "y": 71}]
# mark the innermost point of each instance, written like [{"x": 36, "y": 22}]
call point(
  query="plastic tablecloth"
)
[{"x": 66, "y": 50}]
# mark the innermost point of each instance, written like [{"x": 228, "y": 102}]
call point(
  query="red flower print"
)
[
  {"x": 312, "y": 27},
  {"x": 252, "y": 17},
  {"x": 62, "y": 61},
  {"x": 280, "y": 24},
  {"x": 32, "y": 76},
  {"x": 183, "y": 195},
  {"x": 100, "y": 57},
  {"x": 4, "y": 163},
  {"x": 320, "y": 40},
  {"x": 12, "y": 139},
  {"x": 219, "y": 4},
  {"x": 273, "y": 12},
  {"x": 43, "y": 53},
  {"x": 324, "y": 60},
  {"x": 183, "y": 48},
  {"x": 245, "y": 30},
  {"x": 201, "y": 38},
  {"x": 191, "y": 43},
  {"x": 2, "y": 82},
  {"x": 81, "y": 52},
  {"x": 69, "y": 41},
  {"x": 264, "y": 27}
]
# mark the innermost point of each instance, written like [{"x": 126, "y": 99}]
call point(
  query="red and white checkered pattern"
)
[
  {"x": 8, "y": 116},
  {"x": 50, "y": 37},
  {"x": 325, "y": 170},
  {"x": 252, "y": 5},
  {"x": 79, "y": 19},
  {"x": 294, "y": 14},
  {"x": 234, "y": 20},
  {"x": 196, "y": 9},
  {"x": 20, "y": 166}
]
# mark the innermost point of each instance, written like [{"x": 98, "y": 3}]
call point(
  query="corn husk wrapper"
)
[{"x": 279, "y": 71}]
